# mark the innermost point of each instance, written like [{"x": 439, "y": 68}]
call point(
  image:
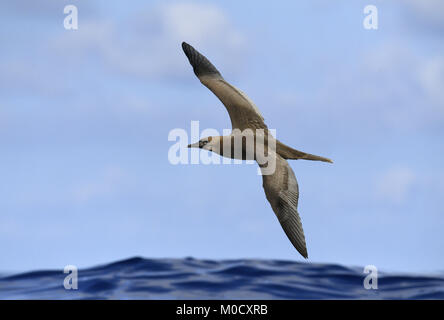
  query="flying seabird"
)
[{"x": 281, "y": 187}]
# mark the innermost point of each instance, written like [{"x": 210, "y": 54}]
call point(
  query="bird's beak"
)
[{"x": 194, "y": 145}]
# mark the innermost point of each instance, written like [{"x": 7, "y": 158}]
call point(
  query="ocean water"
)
[{"x": 139, "y": 278}]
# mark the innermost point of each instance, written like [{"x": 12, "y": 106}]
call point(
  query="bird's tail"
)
[{"x": 287, "y": 152}]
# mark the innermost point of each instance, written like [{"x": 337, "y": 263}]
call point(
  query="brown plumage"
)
[{"x": 281, "y": 187}]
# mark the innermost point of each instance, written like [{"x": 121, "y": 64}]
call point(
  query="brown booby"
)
[{"x": 280, "y": 185}]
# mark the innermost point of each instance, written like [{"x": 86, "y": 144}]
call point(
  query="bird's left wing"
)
[
  {"x": 243, "y": 112},
  {"x": 282, "y": 191}
]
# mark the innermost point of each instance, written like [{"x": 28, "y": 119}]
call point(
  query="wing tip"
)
[
  {"x": 201, "y": 65},
  {"x": 302, "y": 251},
  {"x": 186, "y": 47},
  {"x": 189, "y": 52}
]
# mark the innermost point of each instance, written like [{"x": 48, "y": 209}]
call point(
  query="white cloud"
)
[
  {"x": 44, "y": 9},
  {"x": 149, "y": 44},
  {"x": 393, "y": 87},
  {"x": 395, "y": 184},
  {"x": 199, "y": 23}
]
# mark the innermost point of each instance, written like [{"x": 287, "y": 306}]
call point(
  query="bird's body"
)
[{"x": 251, "y": 140}]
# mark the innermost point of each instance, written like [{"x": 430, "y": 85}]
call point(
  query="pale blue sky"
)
[{"x": 85, "y": 117}]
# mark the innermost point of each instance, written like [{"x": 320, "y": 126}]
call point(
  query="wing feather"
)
[
  {"x": 282, "y": 191},
  {"x": 243, "y": 113}
]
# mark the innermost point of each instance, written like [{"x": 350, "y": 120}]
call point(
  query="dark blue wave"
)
[{"x": 139, "y": 278}]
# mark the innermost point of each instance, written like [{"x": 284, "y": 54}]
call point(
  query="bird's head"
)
[{"x": 208, "y": 143}]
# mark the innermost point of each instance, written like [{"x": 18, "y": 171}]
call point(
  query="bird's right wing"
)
[
  {"x": 282, "y": 191},
  {"x": 243, "y": 112}
]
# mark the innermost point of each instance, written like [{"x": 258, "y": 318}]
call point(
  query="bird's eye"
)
[{"x": 203, "y": 143}]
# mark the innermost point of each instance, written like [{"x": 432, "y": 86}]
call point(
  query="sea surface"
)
[{"x": 140, "y": 278}]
